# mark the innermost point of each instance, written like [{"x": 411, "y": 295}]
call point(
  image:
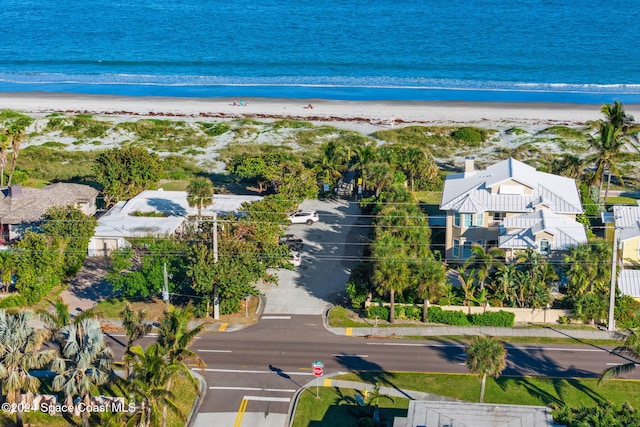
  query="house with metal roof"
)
[
  {"x": 424, "y": 413},
  {"x": 23, "y": 207},
  {"x": 624, "y": 221},
  {"x": 155, "y": 213},
  {"x": 510, "y": 205}
]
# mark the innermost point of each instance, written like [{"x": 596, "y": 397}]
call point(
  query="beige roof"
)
[{"x": 30, "y": 204}]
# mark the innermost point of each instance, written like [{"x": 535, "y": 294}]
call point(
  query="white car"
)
[
  {"x": 304, "y": 217},
  {"x": 296, "y": 259}
]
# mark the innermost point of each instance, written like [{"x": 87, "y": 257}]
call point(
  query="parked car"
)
[
  {"x": 292, "y": 241},
  {"x": 304, "y": 217},
  {"x": 296, "y": 259}
]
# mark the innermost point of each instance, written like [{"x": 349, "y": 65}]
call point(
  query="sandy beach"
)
[{"x": 360, "y": 115}]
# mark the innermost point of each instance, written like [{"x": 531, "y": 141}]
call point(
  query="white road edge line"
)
[
  {"x": 214, "y": 351},
  {"x": 268, "y": 399},
  {"x": 620, "y": 364},
  {"x": 279, "y": 390},
  {"x": 275, "y": 318},
  {"x": 241, "y": 371},
  {"x": 582, "y": 350},
  {"x": 350, "y": 355}
]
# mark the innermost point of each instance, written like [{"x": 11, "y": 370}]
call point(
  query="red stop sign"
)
[{"x": 318, "y": 371}]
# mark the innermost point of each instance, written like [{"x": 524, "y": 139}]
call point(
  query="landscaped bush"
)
[
  {"x": 493, "y": 318},
  {"x": 455, "y": 318},
  {"x": 13, "y": 301},
  {"x": 408, "y": 312},
  {"x": 357, "y": 292},
  {"x": 378, "y": 312},
  {"x": 627, "y": 312}
]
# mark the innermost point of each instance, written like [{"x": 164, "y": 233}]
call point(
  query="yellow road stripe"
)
[
  {"x": 326, "y": 383},
  {"x": 241, "y": 411},
  {"x": 223, "y": 327},
  {"x": 348, "y": 331}
]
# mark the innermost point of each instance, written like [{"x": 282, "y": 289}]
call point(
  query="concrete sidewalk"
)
[{"x": 444, "y": 330}]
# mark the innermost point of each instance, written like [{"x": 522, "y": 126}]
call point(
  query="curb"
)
[{"x": 193, "y": 414}]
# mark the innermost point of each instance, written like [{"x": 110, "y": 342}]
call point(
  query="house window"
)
[
  {"x": 467, "y": 220},
  {"x": 498, "y": 216},
  {"x": 456, "y": 248},
  {"x": 456, "y": 219},
  {"x": 545, "y": 247},
  {"x": 479, "y": 219},
  {"x": 466, "y": 250}
]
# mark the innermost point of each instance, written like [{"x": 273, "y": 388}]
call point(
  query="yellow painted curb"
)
[
  {"x": 223, "y": 327},
  {"x": 326, "y": 383},
  {"x": 241, "y": 411},
  {"x": 348, "y": 331}
]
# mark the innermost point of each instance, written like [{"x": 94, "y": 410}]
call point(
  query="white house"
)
[{"x": 133, "y": 218}]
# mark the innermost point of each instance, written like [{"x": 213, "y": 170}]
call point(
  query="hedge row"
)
[{"x": 447, "y": 317}]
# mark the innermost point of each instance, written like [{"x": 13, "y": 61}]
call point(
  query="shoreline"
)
[{"x": 374, "y": 113}]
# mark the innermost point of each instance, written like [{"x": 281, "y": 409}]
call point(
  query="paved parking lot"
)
[{"x": 332, "y": 247}]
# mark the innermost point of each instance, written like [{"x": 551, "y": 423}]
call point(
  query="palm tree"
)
[
  {"x": 484, "y": 261},
  {"x": 588, "y": 267},
  {"x": 630, "y": 350},
  {"x": 150, "y": 374},
  {"x": 503, "y": 284},
  {"x": 430, "y": 278},
  {"x": 57, "y": 319},
  {"x": 175, "y": 337},
  {"x": 608, "y": 144},
  {"x": 332, "y": 160},
  {"x": 486, "y": 356},
  {"x": 134, "y": 327},
  {"x": 616, "y": 115},
  {"x": 390, "y": 273},
  {"x": 467, "y": 278},
  {"x": 85, "y": 362},
  {"x": 366, "y": 155},
  {"x": 380, "y": 176},
  {"x": 17, "y": 136},
  {"x": 5, "y": 143},
  {"x": 20, "y": 352},
  {"x": 200, "y": 194}
]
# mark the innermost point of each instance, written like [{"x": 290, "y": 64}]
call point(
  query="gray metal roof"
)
[
  {"x": 522, "y": 229},
  {"x": 470, "y": 192},
  {"x": 627, "y": 221},
  {"x": 629, "y": 282},
  {"x": 464, "y": 414}
]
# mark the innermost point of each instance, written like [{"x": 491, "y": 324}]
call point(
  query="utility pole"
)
[
  {"x": 614, "y": 276},
  {"x": 165, "y": 286},
  {"x": 216, "y": 296}
]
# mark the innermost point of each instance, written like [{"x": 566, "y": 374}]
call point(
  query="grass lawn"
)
[{"x": 336, "y": 407}]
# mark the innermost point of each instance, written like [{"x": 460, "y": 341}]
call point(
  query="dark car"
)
[{"x": 292, "y": 241}]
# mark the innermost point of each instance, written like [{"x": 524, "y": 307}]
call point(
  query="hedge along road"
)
[{"x": 331, "y": 247}]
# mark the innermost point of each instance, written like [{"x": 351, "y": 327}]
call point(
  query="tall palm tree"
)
[
  {"x": 608, "y": 143},
  {"x": 486, "y": 356},
  {"x": 615, "y": 114},
  {"x": 17, "y": 136},
  {"x": 467, "y": 279},
  {"x": 380, "y": 176},
  {"x": 332, "y": 160},
  {"x": 390, "y": 271},
  {"x": 366, "y": 155},
  {"x": 85, "y": 362},
  {"x": 134, "y": 328},
  {"x": 630, "y": 350},
  {"x": 150, "y": 374},
  {"x": 175, "y": 336},
  {"x": 20, "y": 352},
  {"x": 200, "y": 194},
  {"x": 430, "y": 278},
  {"x": 588, "y": 267},
  {"x": 5, "y": 143}
]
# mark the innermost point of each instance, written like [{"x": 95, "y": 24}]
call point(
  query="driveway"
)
[{"x": 332, "y": 246}]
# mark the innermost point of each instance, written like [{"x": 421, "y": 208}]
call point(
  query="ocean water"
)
[{"x": 583, "y": 51}]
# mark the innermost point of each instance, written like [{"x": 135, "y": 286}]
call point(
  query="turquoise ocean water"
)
[{"x": 584, "y": 51}]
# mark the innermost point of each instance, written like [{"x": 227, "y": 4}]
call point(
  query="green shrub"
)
[
  {"x": 378, "y": 312},
  {"x": 408, "y": 312},
  {"x": 627, "y": 312},
  {"x": 13, "y": 301},
  {"x": 471, "y": 136},
  {"x": 455, "y": 318},
  {"x": 357, "y": 291},
  {"x": 493, "y": 318}
]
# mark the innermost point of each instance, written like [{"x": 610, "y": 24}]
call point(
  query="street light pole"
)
[{"x": 614, "y": 276}]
